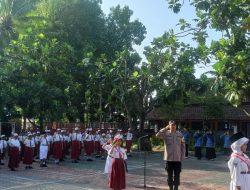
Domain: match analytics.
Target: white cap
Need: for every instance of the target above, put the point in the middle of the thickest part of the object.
(76, 128)
(47, 131)
(15, 135)
(2, 136)
(118, 137)
(103, 134)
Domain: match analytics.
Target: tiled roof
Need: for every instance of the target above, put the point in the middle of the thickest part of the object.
(196, 112)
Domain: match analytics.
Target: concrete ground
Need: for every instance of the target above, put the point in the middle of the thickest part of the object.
(196, 175)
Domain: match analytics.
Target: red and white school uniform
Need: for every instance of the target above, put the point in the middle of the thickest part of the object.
(3, 148)
(129, 138)
(57, 147)
(76, 140)
(115, 167)
(29, 146)
(44, 148)
(14, 151)
(89, 138)
(97, 144)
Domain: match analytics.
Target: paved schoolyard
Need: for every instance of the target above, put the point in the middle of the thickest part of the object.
(196, 175)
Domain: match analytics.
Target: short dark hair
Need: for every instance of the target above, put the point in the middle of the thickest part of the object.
(171, 122)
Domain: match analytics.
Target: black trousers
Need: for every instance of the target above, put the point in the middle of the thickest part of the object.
(197, 151)
(210, 153)
(174, 170)
(186, 153)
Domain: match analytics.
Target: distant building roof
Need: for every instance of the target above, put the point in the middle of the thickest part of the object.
(196, 112)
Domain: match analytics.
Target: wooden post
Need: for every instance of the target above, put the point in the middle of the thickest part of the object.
(216, 125)
(189, 125)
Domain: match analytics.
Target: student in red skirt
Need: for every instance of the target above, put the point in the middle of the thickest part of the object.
(29, 146)
(129, 138)
(57, 146)
(14, 152)
(115, 164)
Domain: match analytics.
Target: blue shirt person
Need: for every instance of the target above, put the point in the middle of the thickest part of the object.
(226, 143)
(198, 139)
(209, 140)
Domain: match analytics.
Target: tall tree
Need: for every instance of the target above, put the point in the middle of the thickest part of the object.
(231, 52)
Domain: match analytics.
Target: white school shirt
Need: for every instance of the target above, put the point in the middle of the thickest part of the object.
(108, 136)
(49, 138)
(57, 138)
(129, 136)
(44, 141)
(97, 137)
(76, 137)
(29, 143)
(14, 143)
(37, 139)
(3, 144)
(22, 138)
(103, 140)
(89, 137)
(236, 166)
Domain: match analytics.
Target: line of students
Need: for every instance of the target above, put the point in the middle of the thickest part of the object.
(28, 146)
(206, 140)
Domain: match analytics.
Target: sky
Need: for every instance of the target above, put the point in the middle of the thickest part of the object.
(157, 18)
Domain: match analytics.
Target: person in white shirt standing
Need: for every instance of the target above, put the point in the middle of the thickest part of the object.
(29, 146)
(76, 139)
(57, 146)
(3, 148)
(97, 137)
(49, 137)
(37, 144)
(14, 152)
(44, 148)
(129, 138)
(239, 163)
(90, 144)
(103, 141)
(115, 164)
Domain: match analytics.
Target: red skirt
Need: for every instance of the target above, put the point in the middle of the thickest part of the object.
(97, 146)
(36, 151)
(57, 150)
(117, 177)
(14, 157)
(75, 150)
(128, 145)
(28, 155)
(89, 147)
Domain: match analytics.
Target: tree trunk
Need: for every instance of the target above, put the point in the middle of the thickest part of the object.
(41, 123)
(24, 123)
(142, 121)
(100, 109)
(128, 116)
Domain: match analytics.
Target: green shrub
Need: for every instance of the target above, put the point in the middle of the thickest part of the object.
(155, 141)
